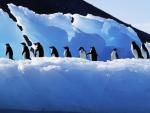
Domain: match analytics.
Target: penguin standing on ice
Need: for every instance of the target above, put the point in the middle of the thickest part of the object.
(25, 52)
(144, 51)
(93, 54)
(39, 52)
(9, 52)
(136, 50)
(54, 52)
(82, 53)
(67, 52)
(114, 55)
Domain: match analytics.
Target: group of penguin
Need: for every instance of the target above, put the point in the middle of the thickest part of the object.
(38, 51)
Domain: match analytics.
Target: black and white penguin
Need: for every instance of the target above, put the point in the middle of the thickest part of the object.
(9, 52)
(144, 51)
(39, 51)
(82, 53)
(25, 52)
(67, 52)
(54, 52)
(114, 55)
(136, 50)
(93, 54)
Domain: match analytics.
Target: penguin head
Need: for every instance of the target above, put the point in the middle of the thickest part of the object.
(35, 45)
(51, 47)
(23, 43)
(134, 43)
(66, 48)
(7, 45)
(115, 49)
(38, 43)
(93, 48)
(81, 48)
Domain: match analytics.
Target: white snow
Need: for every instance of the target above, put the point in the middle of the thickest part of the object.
(61, 84)
(57, 29)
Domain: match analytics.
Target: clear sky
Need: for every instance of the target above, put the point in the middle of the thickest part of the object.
(134, 12)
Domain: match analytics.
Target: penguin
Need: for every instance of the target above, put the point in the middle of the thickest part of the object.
(93, 54)
(82, 53)
(144, 51)
(136, 50)
(67, 52)
(114, 55)
(39, 51)
(25, 52)
(54, 52)
(9, 52)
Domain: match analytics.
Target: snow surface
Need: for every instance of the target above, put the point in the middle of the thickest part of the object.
(57, 29)
(63, 84)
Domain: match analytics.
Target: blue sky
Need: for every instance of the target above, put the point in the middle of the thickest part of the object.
(134, 12)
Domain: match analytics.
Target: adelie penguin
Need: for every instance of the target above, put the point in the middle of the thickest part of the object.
(9, 52)
(39, 51)
(67, 52)
(82, 53)
(114, 55)
(25, 52)
(136, 50)
(144, 51)
(54, 52)
(93, 54)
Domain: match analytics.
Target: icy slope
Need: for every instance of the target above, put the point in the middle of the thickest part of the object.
(57, 29)
(9, 33)
(52, 84)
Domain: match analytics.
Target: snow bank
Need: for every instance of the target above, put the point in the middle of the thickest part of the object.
(57, 29)
(77, 85)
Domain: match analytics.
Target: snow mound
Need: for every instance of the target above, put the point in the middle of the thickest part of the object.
(58, 29)
(61, 84)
